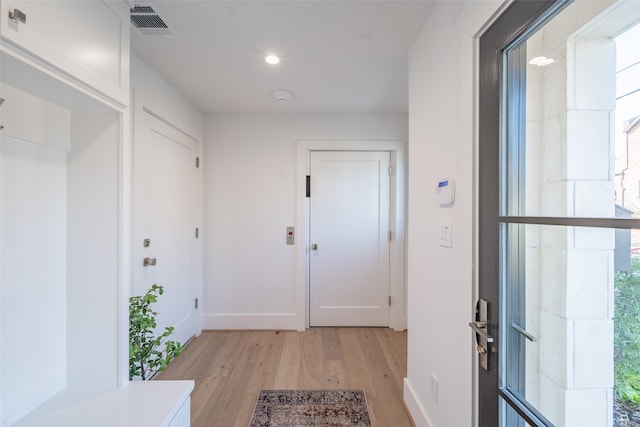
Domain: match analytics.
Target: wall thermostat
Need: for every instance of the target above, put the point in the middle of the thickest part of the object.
(446, 191)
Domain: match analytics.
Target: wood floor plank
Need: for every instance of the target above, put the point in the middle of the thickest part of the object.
(311, 363)
(247, 366)
(357, 370)
(265, 376)
(230, 367)
(209, 390)
(219, 370)
(334, 375)
(385, 386)
(394, 347)
(290, 362)
(331, 347)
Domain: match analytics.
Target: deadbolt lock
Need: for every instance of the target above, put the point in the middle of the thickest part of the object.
(148, 262)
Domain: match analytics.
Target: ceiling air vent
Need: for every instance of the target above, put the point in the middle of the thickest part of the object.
(147, 21)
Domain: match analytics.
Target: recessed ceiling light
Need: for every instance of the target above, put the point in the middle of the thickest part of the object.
(541, 61)
(272, 59)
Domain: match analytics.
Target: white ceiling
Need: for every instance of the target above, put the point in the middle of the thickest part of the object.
(336, 56)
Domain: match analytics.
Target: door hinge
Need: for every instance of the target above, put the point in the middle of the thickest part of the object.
(1, 102)
(389, 300)
(197, 232)
(390, 235)
(196, 303)
(197, 162)
(390, 171)
(308, 186)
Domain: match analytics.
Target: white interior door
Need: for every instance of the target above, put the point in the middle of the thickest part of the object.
(349, 235)
(164, 221)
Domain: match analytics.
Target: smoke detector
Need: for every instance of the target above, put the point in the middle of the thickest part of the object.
(282, 96)
(148, 22)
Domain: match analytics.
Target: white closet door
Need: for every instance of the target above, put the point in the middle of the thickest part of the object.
(164, 217)
(349, 256)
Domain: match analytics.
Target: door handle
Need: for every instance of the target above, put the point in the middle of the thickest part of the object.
(481, 329)
(314, 246)
(484, 341)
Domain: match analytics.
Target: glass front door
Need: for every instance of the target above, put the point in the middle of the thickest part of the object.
(559, 209)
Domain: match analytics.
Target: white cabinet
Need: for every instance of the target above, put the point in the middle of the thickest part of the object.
(183, 417)
(87, 41)
(141, 404)
(63, 299)
(65, 222)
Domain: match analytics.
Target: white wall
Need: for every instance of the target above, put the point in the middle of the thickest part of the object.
(93, 223)
(164, 99)
(440, 280)
(250, 199)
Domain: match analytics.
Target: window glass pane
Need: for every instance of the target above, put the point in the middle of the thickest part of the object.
(571, 335)
(627, 121)
(573, 128)
(511, 417)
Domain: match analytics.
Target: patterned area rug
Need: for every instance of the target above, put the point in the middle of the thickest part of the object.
(311, 408)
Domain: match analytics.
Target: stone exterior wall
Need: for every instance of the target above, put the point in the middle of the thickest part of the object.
(570, 173)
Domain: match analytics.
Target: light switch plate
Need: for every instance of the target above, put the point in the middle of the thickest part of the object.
(444, 233)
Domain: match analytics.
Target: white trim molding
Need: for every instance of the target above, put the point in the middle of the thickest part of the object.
(415, 408)
(272, 321)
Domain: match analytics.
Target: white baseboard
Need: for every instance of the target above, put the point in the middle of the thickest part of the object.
(415, 408)
(276, 321)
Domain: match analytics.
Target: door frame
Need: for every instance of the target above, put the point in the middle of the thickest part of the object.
(508, 24)
(397, 216)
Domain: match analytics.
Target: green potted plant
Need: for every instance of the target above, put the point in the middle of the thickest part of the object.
(146, 356)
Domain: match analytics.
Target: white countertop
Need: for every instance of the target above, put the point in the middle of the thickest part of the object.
(140, 404)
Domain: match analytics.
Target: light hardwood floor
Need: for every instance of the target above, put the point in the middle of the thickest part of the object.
(230, 367)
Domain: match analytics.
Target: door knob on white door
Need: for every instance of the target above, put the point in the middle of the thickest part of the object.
(314, 246)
